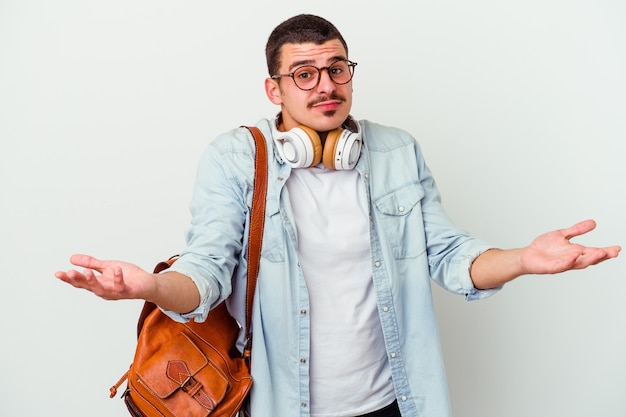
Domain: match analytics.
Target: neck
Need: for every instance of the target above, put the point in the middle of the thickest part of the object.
(322, 136)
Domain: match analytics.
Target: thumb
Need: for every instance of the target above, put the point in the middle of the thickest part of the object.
(87, 261)
(578, 229)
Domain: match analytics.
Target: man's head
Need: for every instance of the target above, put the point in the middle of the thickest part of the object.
(304, 28)
(314, 42)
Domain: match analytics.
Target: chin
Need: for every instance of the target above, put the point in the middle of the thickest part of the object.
(333, 120)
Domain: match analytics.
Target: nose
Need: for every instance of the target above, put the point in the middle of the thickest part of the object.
(325, 84)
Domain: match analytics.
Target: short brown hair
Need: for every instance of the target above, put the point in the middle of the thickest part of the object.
(303, 28)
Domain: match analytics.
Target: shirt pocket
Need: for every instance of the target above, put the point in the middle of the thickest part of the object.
(273, 248)
(400, 215)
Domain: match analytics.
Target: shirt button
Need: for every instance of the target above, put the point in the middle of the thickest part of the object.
(302, 360)
(303, 405)
(404, 398)
(393, 354)
(303, 312)
(401, 209)
(377, 263)
(385, 309)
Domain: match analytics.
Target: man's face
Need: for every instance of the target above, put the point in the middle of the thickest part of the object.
(323, 108)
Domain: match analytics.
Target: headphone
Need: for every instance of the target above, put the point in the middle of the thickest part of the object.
(301, 146)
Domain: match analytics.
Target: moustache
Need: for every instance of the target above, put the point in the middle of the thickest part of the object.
(322, 99)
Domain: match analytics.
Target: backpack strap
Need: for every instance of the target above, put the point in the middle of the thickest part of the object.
(257, 222)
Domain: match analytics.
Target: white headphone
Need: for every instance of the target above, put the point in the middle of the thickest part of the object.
(301, 146)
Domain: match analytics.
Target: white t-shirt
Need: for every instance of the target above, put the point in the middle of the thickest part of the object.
(349, 369)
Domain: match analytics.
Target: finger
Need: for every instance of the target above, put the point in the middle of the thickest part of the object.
(74, 278)
(90, 278)
(579, 229)
(118, 280)
(614, 251)
(610, 252)
(62, 275)
(87, 261)
(89, 275)
(594, 256)
(93, 284)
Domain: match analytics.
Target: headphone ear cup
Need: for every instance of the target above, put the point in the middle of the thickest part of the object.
(315, 143)
(330, 148)
(300, 147)
(341, 149)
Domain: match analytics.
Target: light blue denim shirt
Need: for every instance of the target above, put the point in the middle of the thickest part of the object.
(412, 241)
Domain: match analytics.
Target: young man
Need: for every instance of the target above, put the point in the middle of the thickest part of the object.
(343, 319)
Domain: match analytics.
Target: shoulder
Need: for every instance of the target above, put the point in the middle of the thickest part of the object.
(236, 143)
(230, 156)
(237, 140)
(385, 138)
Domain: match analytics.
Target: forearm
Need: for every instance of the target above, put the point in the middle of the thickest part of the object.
(496, 267)
(175, 292)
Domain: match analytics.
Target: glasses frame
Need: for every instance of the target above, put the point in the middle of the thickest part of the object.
(291, 75)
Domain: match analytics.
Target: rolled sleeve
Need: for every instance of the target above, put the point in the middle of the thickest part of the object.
(204, 289)
(471, 292)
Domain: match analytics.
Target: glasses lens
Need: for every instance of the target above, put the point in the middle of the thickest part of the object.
(340, 72)
(306, 77)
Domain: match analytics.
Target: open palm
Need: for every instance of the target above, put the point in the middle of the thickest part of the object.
(114, 280)
(553, 252)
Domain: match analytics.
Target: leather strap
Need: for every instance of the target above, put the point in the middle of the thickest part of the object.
(257, 222)
(178, 372)
(255, 237)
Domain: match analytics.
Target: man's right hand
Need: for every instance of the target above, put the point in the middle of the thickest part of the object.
(114, 280)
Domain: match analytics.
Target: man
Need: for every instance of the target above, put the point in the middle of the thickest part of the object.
(343, 318)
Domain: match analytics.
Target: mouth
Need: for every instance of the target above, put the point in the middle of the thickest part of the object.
(327, 103)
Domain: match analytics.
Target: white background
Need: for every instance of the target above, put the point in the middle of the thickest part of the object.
(519, 105)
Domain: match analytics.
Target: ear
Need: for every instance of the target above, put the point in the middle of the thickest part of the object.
(272, 89)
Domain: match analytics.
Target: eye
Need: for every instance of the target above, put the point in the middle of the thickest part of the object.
(304, 73)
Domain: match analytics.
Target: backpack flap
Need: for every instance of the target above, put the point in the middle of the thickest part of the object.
(179, 370)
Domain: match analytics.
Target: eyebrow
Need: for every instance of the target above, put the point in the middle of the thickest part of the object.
(311, 62)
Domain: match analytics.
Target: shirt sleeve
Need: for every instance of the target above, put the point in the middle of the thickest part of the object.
(451, 251)
(219, 212)
(202, 311)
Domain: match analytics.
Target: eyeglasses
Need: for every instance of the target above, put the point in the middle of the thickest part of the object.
(308, 77)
